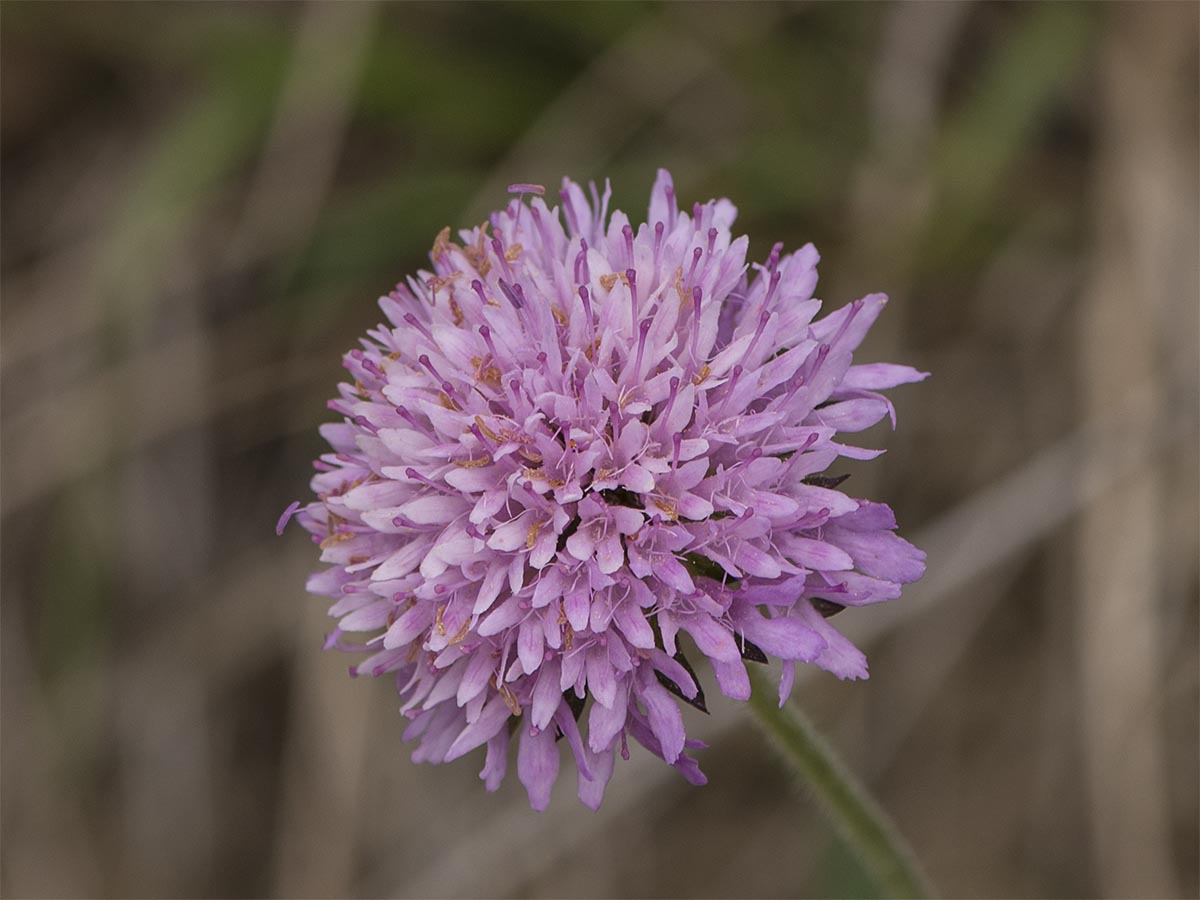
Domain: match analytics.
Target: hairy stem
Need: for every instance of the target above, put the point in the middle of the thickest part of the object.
(861, 821)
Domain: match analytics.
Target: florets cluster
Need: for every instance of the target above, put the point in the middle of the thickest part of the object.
(577, 439)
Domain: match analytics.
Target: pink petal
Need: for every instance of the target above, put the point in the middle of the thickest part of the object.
(537, 766)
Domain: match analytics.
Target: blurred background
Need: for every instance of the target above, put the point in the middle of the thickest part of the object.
(201, 203)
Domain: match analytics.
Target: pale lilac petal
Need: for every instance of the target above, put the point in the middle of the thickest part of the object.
(537, 766)
(591, 791)
(840, 656)
(665, 719)
(495, 765)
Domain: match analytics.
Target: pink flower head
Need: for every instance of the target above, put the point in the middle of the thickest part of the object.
(577, 439)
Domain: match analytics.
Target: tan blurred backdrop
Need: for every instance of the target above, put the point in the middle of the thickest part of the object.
(201, 202)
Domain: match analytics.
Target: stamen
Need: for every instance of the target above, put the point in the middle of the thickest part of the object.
(524, 188)
(286, 517)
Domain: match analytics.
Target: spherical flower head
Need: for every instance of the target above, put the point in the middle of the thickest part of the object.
(577, 439)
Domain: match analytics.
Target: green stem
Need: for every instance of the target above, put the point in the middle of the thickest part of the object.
(860, 821)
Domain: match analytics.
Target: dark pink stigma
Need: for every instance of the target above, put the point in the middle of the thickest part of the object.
(797, 383)
(543, 357)
(322, 466)
(677, 441)
(416, 323)
(478, 432)
(412, 420)
(773, 257)
(508, 292)
(370, 366)
(658, 233)
(439, 589)
(522, 187)
(628, 232)
(775, 276)
(365, 424)
(336, 406)
(587, 303)
(737, 373)
(631, 277)
(499, 250)
(674, 384)
(712, 240)
(762, 324)
(696, 295)
(643, 330)
(424, 360)
(487, 339)
(477, 287)
(520, 292)
(696, 254)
